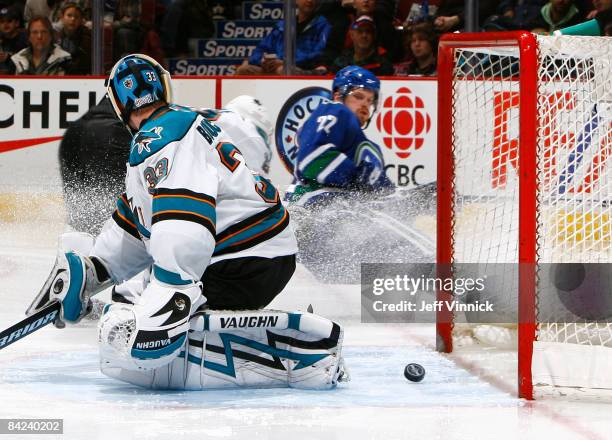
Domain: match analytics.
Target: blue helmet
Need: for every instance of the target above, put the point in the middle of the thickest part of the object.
(137, 81)
(352, 77)
(355, 77)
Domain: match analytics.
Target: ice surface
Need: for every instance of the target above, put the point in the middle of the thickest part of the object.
(54, 374)
(376, 373)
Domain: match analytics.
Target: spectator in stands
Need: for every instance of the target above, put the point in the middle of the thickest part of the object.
(421, 43)
(382, 11)
(127, 31)
(42, 56)
(365, 52)
(152, 14)
(312, 31)
(58, 12)
(52, 9)
(339, 19)
(222, 9)
(556, 14)
(12, 38)
(75, 39)
(600, 25)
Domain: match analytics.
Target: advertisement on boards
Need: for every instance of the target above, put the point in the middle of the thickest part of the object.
(34, 115)
(404, 126)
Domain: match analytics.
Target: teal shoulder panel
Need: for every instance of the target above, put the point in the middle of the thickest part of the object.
(156, 133)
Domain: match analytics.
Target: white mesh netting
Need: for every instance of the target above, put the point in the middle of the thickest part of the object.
(573, 155)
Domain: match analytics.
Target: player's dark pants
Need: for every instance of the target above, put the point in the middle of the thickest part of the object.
(246, 283)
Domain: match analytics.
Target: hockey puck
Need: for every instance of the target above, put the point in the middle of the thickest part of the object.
(414, 372)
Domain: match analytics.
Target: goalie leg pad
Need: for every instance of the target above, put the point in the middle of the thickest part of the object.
(262, 349)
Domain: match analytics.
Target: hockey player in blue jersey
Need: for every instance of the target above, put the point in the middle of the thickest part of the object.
(217, 237)
(345, 208)
(334, 155)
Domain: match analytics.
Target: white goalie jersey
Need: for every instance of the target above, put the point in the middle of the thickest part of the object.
(190, 201)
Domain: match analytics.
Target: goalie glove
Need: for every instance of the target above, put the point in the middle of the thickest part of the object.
(74, 279)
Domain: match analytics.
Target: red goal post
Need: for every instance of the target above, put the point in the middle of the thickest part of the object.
(509, 105)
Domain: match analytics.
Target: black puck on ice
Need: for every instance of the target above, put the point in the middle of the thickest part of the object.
(414, 372)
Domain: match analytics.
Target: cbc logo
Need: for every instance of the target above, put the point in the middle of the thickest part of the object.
(403, 122)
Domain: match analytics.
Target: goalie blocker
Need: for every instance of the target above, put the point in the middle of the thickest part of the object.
(242, 349)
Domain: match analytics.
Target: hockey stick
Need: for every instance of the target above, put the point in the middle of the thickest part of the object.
(30, 324)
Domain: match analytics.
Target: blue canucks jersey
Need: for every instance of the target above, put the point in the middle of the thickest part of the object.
(335, 152)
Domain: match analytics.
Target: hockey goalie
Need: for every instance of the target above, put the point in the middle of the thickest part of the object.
(220, 245)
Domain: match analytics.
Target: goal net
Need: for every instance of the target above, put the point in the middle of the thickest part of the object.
(524, 186)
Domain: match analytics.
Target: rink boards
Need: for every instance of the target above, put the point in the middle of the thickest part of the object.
(34, 113)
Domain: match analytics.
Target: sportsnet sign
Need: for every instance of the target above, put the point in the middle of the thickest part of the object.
(226, 48)
(243, 28)
(262, 10)
(203, 66)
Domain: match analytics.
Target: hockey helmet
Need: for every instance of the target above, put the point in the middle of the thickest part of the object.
(252, 109)
(352, 77)
(135, 82)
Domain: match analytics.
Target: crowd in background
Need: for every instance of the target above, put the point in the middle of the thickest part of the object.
(388, 37)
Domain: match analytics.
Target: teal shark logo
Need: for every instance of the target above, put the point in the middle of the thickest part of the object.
(144, 138)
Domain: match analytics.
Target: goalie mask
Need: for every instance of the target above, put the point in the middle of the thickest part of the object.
(135, 82)
(354, 77)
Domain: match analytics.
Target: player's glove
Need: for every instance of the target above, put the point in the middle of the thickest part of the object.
(74, 279)
(371, 176)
